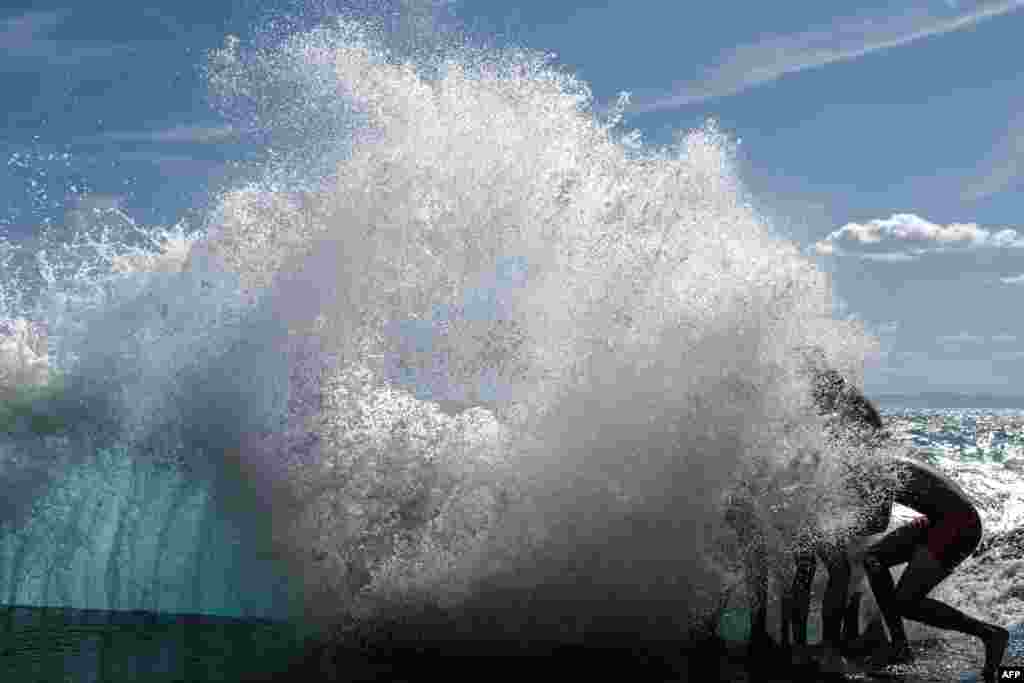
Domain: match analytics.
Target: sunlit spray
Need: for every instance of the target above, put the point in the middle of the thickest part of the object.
(497, 346)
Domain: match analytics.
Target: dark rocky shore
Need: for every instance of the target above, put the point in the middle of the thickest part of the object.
(485, 641)
(507, 634)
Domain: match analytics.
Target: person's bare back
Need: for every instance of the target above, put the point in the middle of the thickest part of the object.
(929, 491)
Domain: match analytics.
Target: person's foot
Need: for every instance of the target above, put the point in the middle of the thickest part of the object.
(893, 654)
(995, 648)
(832, 661)
(800, 656)
(871, 640)
(761, 645)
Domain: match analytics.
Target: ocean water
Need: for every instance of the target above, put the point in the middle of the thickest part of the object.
(463, 338)
(982, 449)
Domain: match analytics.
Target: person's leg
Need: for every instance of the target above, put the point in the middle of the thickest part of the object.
(922, 575)
(785, 591)
(757, 589)
(833, 608)
(851, 618)
(806, 566)
(896, 547)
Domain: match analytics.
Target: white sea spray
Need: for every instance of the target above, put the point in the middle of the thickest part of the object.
(620, 320)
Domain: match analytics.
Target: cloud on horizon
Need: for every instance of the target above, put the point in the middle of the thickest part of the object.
(902, 371)
(754, 64)
(979, 344)
(958, 341)
(906, 237)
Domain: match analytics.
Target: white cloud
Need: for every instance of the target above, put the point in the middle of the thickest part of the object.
(846, 39)
(824, 248)
(893, 234)
(30, 36)
(867, 234)
(1004, 338)
(1013, 280)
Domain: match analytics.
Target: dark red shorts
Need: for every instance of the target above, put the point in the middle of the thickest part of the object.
(952, 537)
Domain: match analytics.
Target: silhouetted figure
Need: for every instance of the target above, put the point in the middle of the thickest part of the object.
(932, 546)
(853, 416)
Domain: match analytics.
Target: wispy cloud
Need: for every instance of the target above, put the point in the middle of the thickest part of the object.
(1013, 280)
(167, 21)
(889, 257)
(907, 236)
(958, 374)
(957, 342)
(1003, 168)
(193, 134)
(889, 327)
(170, 162)
(960, 339)
(30, 36)
(849, 38)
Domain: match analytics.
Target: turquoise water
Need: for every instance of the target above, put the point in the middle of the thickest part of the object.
(968, 435)
(125, 533)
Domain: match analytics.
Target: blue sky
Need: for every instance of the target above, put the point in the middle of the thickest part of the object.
(887, 139)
